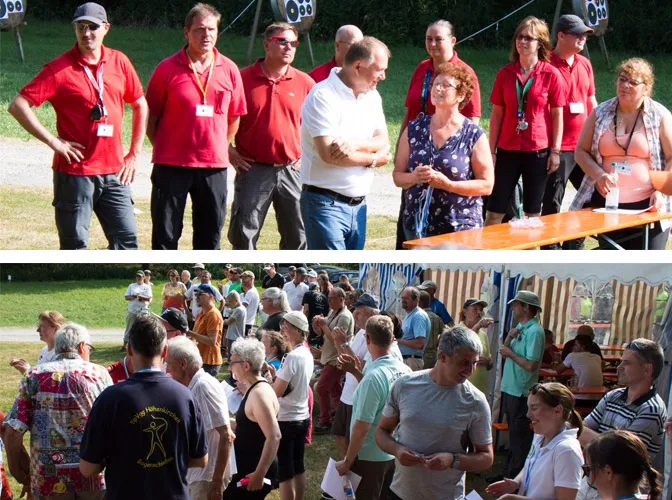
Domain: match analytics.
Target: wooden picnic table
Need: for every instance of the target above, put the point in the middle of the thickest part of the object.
(611, 357)
(545, 372)
(556, 229)
(592, 391)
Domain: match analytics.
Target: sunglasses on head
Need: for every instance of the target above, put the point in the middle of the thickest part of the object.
(90, 26)
(283, 41)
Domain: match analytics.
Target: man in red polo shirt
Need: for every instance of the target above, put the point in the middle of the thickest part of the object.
(345, 36)
(195, 102)
(577, 71)
(87, 87)
(268, 145)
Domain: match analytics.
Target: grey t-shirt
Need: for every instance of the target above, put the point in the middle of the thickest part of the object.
(237, 328)
(433, 419)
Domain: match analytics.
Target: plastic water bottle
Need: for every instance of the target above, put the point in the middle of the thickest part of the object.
(347, 489)
(611, 202)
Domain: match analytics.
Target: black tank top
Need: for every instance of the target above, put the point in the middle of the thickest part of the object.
(249, 442)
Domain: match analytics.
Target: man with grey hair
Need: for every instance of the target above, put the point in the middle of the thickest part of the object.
(416, 328)
(274, 304)
(637, 407)
(186, 367)
(205, 278)
(437, 451)
(345, 36)
(363, 456)
(55, 414)
(343, 138)
(249, 297)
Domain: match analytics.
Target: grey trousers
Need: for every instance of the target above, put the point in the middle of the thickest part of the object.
(77, 197)
(130, 319)
(255, 190)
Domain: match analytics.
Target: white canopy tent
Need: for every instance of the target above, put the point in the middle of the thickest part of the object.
(632, 284)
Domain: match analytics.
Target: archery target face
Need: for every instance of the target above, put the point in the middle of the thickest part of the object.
(298, 9)
(597, 11)
(3, 9)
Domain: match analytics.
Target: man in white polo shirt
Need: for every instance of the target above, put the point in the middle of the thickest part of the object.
(296, 289)
(343, 138)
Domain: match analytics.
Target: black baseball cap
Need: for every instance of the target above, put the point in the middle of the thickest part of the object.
(90, 12)
(366, 299)
(572, 24)
(176, 318)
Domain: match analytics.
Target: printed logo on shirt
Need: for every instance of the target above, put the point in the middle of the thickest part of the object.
(154, 423)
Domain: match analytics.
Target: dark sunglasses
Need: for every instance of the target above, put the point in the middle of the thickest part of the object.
(91, 26)
(524, 38)
(91, 348)
(283, 41)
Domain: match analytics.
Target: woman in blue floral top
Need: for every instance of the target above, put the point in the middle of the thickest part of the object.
(443, 162)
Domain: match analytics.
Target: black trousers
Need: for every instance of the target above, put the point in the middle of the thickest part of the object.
(520, 434)
(170, 187)
(556, 184)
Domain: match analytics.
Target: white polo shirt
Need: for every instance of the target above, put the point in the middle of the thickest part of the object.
(556, 464)
(331, 109)
(295, 294)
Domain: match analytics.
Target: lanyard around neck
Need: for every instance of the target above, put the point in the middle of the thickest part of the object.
(521, 92)
(634, 126)
(204, 91)
(424, 94)
(98, 85)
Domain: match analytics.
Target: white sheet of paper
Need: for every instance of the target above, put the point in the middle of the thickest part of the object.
(332, 483)
(233, 397)
(473, 496)
(620, 211)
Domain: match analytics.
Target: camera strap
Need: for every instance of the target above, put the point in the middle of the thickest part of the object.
(99, 85)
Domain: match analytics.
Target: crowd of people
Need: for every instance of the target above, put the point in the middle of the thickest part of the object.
(403, 399)
(309, 143)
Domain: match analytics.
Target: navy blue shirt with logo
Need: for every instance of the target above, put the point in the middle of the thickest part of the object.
(144, 431)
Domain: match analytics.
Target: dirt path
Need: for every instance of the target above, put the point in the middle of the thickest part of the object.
(27, 163)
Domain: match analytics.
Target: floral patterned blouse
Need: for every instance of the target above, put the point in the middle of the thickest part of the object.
(53, 403)
(448, 212)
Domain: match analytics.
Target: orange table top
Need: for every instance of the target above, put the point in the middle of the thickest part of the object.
(593, 391)
(545, 372)
(557, 228)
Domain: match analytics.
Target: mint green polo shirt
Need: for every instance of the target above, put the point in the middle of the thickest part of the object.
(517, 381)
(369, 400)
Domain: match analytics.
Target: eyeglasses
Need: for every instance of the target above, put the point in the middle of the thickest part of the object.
(586, 470)
(231, 363)
(444, 86)
(526, 39)
(90, 27)
(91, 348)
(281, 40)
(625, 81)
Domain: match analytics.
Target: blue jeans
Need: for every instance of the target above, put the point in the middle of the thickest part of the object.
(77, 197)
(332, 224)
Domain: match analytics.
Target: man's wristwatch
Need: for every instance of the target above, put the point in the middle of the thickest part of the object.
(456, 461)
(345, 345)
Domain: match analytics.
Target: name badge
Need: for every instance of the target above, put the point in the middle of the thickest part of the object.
(576, 108)
(205, 110)
(622, 167)
(105, 130)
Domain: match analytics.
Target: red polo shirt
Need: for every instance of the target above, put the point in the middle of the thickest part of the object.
(65, 85)
(547, 91)
(322, 71)
(271, 130)
(580, 86)
(182, 138)
(413, 99)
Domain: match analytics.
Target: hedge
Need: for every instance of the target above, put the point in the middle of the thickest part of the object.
(636, 27)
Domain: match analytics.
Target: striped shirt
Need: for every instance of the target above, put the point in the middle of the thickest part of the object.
(652, 116)
(644, 417)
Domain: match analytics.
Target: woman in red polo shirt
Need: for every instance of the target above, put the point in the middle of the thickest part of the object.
(526, 121)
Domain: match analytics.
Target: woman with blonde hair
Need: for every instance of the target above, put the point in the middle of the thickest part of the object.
(48, 323)
(526, 121)
(553, 466)
(616, 464)
(622, 141)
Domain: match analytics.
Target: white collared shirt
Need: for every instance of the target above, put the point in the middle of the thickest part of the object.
(556, 464)
(331, 109)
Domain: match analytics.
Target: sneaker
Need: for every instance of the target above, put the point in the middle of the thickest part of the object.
(322, 429)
